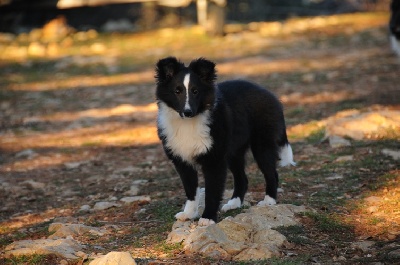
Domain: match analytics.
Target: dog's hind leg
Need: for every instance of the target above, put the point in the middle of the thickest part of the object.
(188, 175)
(237, 167)
(266, 159)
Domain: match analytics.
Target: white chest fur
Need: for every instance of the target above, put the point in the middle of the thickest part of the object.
(188, 137)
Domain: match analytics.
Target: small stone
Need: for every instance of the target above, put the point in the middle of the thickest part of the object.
(28, 153)
(334, 177)
(84, 208)
(135, 199)
(363, 245)
(99, 206)
(34, 184)
(114, 258)
(133, 191)
(372, 209)
(139, 181)
(344, 158)
(373, 199)
(337, 141)
(393, 154)
(81, 254)
(72, 165)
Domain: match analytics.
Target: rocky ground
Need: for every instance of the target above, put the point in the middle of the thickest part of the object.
(82, 170)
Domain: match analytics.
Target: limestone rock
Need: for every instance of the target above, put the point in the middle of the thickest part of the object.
(358, 125)
(65, 230)
(114, 258)
(392, 153)
(99, 206)
(64, 248)
(363, 245)
(337, 141)
(247, 236)
(135, 199)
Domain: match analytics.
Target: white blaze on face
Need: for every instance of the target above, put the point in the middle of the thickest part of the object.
(186, 81)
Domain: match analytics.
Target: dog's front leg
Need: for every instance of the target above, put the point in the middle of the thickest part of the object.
(214, 177)
(188, 175)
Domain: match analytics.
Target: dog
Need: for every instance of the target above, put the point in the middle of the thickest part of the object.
(394, 26)
(210, 126)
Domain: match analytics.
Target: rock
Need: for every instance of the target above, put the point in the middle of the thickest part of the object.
(33, 184)
(393, 154)
(139, 181)
(344, 158)
(373, 199)
(363, 245)
(64, 248)
(358, 125)
(84, 208)
(133, 191)
(337, 141)
(66, 230)
(135, 199)
(72, 165)
(247, 236)
(28, 153)
(335, 177)
(114, 258)
(99, 206)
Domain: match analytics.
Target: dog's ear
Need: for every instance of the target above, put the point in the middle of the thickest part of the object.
(205, 69)
(166, 68)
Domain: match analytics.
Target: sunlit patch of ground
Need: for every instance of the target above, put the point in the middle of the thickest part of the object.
(85, 81)
(377, 215)
(99, 135)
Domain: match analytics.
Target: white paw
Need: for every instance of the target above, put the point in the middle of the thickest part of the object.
(232, 204)
(205, 222)
(190, 211)
(267, 201)
(182, 216)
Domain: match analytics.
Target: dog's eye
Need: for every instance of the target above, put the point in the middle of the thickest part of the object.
(195, 91)
(178, 90)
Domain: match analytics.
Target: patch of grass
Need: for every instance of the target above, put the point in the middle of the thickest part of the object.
(295, 234)
(36, 259)
(169, 249)
(94, 223)
(163, 211)
(233, 212)
(330, 224)
(299, 260)
(316, 136)
(5, 240)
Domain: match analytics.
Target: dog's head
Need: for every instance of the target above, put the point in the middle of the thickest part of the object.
(188, 90)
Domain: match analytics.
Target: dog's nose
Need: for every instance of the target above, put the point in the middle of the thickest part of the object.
(188, 113)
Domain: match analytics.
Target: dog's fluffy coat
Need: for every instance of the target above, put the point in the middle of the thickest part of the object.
(211, 126)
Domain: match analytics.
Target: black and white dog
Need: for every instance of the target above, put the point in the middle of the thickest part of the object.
(211, 126)
(394, 26)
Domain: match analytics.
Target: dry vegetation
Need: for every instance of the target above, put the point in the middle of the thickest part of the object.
(76, 111)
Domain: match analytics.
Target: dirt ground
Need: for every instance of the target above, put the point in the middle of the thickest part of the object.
(77, 126)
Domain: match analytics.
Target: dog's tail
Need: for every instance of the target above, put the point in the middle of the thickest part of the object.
(285, 152)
